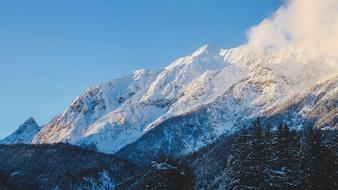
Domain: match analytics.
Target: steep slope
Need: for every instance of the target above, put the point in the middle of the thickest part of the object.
(122, 110)
(317, 105)
(100, 113)
(24, 135)
(61, 166)
(188, 133)
(188, 104)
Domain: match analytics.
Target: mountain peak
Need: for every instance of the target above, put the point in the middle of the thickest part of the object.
(206, 49)
(24, 134)
(214, 85)
(29, 125)
(141, 73)
(30, 121)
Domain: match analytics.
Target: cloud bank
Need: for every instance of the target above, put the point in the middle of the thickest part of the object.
(311, 25)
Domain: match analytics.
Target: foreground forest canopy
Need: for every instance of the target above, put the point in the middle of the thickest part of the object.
(257, 157)
(281, 158)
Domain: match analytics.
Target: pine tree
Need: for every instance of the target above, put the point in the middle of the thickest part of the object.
(294, 159)
(283, 174)
(324, 159)
(315, 182)
(307, 162)
(334, 152)
(311, 162)
(282, 147)
(327, 169)
(246, 164)
(268, 139)
(257, 158)
(236, 170)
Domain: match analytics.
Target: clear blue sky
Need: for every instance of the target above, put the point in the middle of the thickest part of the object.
(51, 51)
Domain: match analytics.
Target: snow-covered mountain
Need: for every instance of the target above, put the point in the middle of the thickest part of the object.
(24, 135)
(187, 133)
(194, 100)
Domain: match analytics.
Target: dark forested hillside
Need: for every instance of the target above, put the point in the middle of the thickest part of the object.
(256, 157)
(165, 173)
(60, 166)
(270, 157)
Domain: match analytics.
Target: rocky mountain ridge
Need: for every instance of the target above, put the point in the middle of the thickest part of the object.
(196, 99)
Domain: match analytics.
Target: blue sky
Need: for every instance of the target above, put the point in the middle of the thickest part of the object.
(51, 51)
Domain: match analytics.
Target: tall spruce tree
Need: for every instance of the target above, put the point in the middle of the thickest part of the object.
(315, 182)
(236, 169)
(246, 164)
(293, 169)
(282, 147)
(321, 175)
(268, 138)
(334, 152)
(327, 169)
(307, 159)
(257, 158)
(282, 174)
(313, 162)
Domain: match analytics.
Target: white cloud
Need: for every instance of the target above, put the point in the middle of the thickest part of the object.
(311, 25)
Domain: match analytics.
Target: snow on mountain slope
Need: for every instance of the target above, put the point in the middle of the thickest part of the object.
(86, 112)
(169, 84)
(230, 85)
(317, 105)
(189, 132)
(24, 135)
(92, 120)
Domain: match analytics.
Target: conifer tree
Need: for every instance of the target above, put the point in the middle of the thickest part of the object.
(324, 160)
(293, 169)
(281, 173)
(282, 147)
(246, 164)
(327, 178)
(257, 158)
(236, 169)
(310, 159)
(268, 139)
